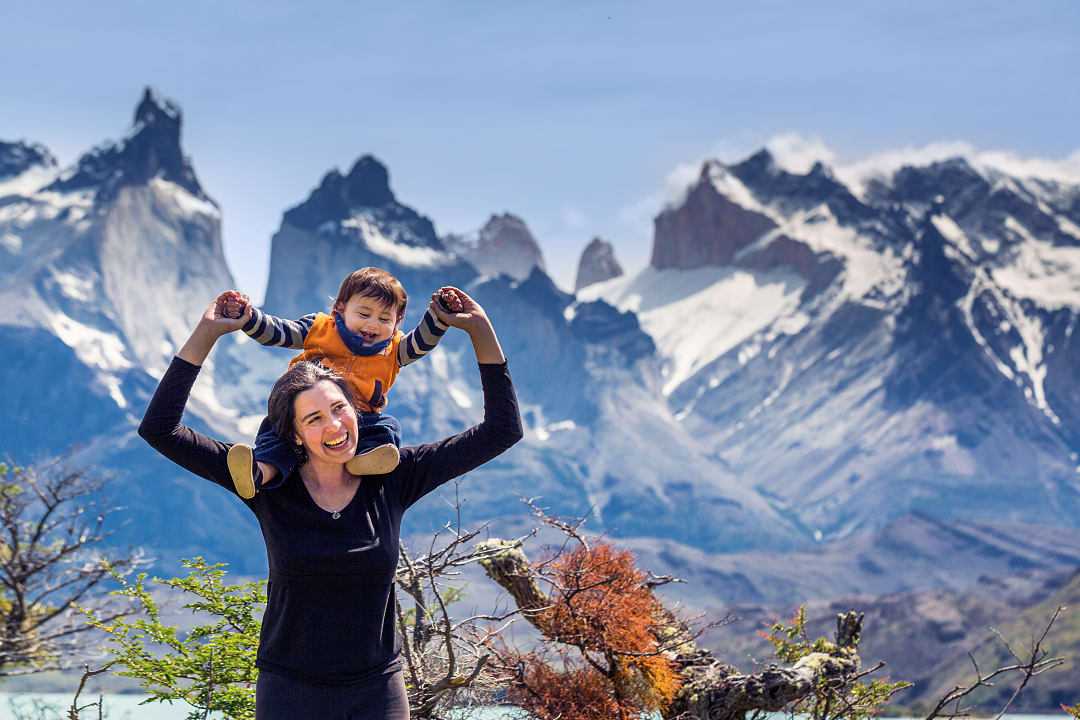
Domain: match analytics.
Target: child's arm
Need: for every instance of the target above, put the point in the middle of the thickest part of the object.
(272, 331)
(422, 339)
(262, 327)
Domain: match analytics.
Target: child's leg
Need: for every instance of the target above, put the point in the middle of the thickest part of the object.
(274, 457)
(252, 470)
(377, 445)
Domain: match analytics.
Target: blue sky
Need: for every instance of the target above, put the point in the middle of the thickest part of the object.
(572, 115)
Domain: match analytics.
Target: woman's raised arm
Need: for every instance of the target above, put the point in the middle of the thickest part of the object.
(425, 467)
(161, 425)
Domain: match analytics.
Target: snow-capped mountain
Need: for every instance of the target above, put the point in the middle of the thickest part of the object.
(579, 373)
(804, 359)
(503, 245)
(862, 357)
(597, 264)
(106, 265)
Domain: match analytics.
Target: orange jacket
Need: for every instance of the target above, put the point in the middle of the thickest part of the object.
(369, 376)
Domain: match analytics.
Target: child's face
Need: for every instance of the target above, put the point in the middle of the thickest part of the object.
(369, 318)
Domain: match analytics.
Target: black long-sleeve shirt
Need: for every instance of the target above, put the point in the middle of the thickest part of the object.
(330, 611)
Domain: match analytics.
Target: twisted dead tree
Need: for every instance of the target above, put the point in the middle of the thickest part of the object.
(1032, 663)
(52, 532)
(447, 661)
(593, 600)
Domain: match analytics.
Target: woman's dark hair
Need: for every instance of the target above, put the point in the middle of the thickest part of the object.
(300, 377)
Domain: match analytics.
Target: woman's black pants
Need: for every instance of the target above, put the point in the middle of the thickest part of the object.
(381, 697)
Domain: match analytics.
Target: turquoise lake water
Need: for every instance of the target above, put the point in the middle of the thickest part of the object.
(127, 707)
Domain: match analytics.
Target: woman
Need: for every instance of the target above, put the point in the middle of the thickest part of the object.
(328, 648)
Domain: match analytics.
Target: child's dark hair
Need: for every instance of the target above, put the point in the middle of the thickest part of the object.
(375, 283)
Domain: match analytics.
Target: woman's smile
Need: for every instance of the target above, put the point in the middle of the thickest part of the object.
(338, 442)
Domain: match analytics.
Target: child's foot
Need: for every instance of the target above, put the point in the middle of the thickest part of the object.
(243, 469)
(376, 461)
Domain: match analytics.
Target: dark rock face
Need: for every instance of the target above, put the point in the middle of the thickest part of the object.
(42, 372)
(152, 149)
(952, 365)
(597, 264)
(707, 229)
(819, 269)
(366, 187)
(503, 245)
(602, 324)
(792, 192)
(18, 157)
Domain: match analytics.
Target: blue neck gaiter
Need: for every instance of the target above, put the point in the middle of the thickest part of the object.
(355, 342)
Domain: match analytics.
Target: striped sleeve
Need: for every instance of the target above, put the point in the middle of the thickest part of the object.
(421, 340)
(272, 331)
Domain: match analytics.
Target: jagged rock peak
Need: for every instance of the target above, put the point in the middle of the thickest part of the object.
(18, 157)
(597, 264)
(707, 228)
(944, 177)
(504, 245)
(150, 150)
(368, 183)
(760, 163)
(367, 186)
(790, 191)
(154, 109)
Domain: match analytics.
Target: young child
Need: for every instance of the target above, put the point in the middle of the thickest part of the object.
(361, 340)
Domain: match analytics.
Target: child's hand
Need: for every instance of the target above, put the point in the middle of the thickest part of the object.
(455, 308)
(449, 299)
(233, 305)
(218, 314)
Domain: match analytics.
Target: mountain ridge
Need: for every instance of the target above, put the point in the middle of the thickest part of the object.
(782, 386)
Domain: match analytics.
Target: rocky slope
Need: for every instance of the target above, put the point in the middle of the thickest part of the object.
(860, 358)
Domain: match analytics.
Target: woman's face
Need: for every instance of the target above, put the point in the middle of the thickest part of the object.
(325, 423)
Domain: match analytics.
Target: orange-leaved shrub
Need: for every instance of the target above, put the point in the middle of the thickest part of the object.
(605, 624)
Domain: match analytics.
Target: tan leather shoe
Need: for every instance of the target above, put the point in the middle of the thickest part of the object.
(376, 461)
(241, 462)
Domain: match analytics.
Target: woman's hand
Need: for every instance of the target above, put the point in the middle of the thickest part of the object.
(453, 307)
(232, 305)
(213, 324)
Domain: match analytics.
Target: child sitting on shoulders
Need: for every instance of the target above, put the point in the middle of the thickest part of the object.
(361, 341)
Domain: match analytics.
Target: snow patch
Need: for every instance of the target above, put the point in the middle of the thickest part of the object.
(73, 286)
(28, 182)
(952, 232)
(943, 442)
(93, 347)
(406, 255)
(439, 364)
(1068, 227)
(459, 396)
(112, 383)
(186, 203)
(696, 316)
(732, 188)
(797, 154)
(1040, 271)
(865, 268)
(1027, 357)
(11, 243)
